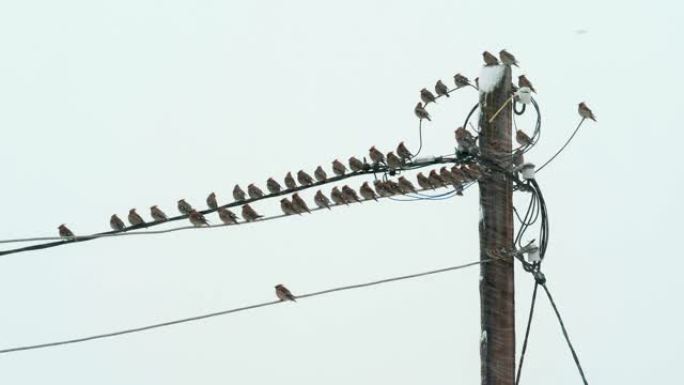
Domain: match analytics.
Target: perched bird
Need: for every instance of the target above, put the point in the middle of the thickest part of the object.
(273, 186)
(65, 233)
(254, 191)
(585, 112)
(523, 82)
(489, 59)
(158, 215)
(211, 201)
(321, 200)
(406, 186)
(290, 182)
(116, 223)
(465, 140)
(338, 168)
(424, 182)
(507, 58)
(304, 178)
(367, 192)
(134, 219)
(238, 193)
(299, 204)
(284, 294)
(471, 174)
(287, 207)
(376, 156)
(197, 219)
(382, 189)
(518, 159)
(446, 176)
(475, 170)
(349, 194)
(461, 81)
(393, 161)
(393, 187)
(355, 164)
(403, 152)
(227, 217)
(435, 179)
(421, 113)
(458, 176)
(427, 96)
(249, 214)
(320, 174)
(184, 207)
(337, 197)
(441, 89)
(522, 138)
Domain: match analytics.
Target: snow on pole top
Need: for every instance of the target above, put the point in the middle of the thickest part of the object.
(490, 76)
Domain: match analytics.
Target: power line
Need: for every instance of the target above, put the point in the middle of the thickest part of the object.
(563, 147)
(239, 309)
(527, 333)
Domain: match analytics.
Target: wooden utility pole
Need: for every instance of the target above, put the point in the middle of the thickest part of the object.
(497, 304)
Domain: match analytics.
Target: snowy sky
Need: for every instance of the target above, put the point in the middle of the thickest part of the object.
(105, 106)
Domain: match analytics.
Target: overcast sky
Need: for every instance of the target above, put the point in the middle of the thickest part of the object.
(105, 106)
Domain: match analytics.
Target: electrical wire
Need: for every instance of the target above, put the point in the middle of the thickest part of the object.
(527, 333)
(563, 147)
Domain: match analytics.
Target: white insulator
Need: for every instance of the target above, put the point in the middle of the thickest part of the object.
(527, 171)
(533, 255)
(524, 95)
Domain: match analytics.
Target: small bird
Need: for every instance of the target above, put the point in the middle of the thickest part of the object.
(507, 58)
(227, 217)
(249, 214)
(287, 207)
(356, 165)
(435, 179)
(304, 178)
(393, 161)
(382, 189)
(518, 159)
(424, 182)
(367, 192)
(421, 112)
(585, 112)
(238, 193)
(475, 171)
(458, 176)
(446, 176)
(184, 207)
(65, 233)
(441, 89)
(337, 197)
(393, 187)
(470, 174)
(299, 204)
(465, 140)
(158, 215)
(134, 219)
(290, 182)
(320, 174)
(197, 219)
(284, 294)
(489, 59)
(403, 152)
(406, 186)
(116, 223)
(321, 200)
(522, 138)
(211, 201)
(461, 81)
(349, 194)
(254, 191)
(427, 96)
(376, 156)
(523, 82)
(273, 186)
(338, 168)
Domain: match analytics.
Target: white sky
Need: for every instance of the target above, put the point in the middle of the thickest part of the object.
(108, 106)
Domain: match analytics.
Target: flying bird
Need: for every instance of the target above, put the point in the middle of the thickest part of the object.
(367, 192)
(406, 186)
(184, 207)
(489, 59)
(337, 197)
(421, 112)
(522, 138)
(116, 223)
(403, 152)
(320, 174)
(355, 164)
(585, 112)
(238, 193)
(321, 200)
(304, 178)
(290, 182)
(441, 89)
(507, 58)
(65, 233)
(424, 182)
(158, 215)
(249, 214)
(393, 161)
(273, 186)
(524, 82)
(284, 294)
(211, 201)
(287, 207)
(427, 96)
(227, 217)
(376, 156)
(197, 219)
(338, 168)
(349, 194)
(435, 179)
(134, 219)
(461, 81)
(254, 191)
(299, 204)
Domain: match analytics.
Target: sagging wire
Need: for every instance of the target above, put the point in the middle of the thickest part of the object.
(563, 147)
(527, 333)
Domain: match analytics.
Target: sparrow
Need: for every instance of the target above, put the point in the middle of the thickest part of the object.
(403, 152)
(446, 176)
(337, 197)
(254, 191)
(355, 164)
(134, 219)
(471, 174)
(461, 81)
(427, 96)
(406, 186)
(465, 140)
(238, 193)
(290, 182)
(321, 200)
(382, 189)
(211, 201)
(367, 192)
(287, 207)
(184, 207)
(489, 59)
(273, 186)
(507, 58)
(349, 194)
(522, 138)
(421, 113)
(197, 219)
(458, 176)
(338, 168)
(435, 179)
(320, 174)
(393, 187)
(424, 182)
(227, 217)
(523, 82)
(518, 159)
(393, 161)
(441, 89)
(299, 204)
(158, 215)
(284, 294)
(249, 214)
(376, 156)
(65, 233)
(304, 178)
(475, 170)
(116, 223)
(585, 112)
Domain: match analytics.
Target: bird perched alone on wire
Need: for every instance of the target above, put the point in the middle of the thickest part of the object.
(299, 204)
(441, 89)
(355, 164)
(367, 192)
(249, 214)
(158, 215)
(304, 178)
(489, 59)
(134, 219)
(211, 201)
(522, 138)
(321, 200)
(65, 233)
(421, 113)
(273, 186)
(376, 156)
(320, 174)
(585, 112)
(426, 96)
(116, 223)
(524, 82)
(254, 191)
(406, 186)
(393, 161)
(197, 219)
(404, 152)
(290, 182)
(184, 207)
(435, 179)
(349, 194)
(507, 58)
(424, 182)
(338, 168)
(238, 193)
(465, 140)
(382, 189)
(284, 294)
(227, 217)
(287, 207)
(337, 197)
(461, 81)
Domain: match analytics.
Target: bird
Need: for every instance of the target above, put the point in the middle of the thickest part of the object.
(465, 140)
(338, 168)
(393, 187)
(458, 176)
(518, 159)
(441, 89)
(355, 164)
(475, 170)
(287, 207)
(427, 96)
(249, 214)
(376, 156)
(116, 223)
(254, 191)
(211, 201)
(446, 176)
(157, 214)
(273, 186)
(489, 59)
(227, 217)
(421, 113)
(522, 138)
(435, 179)
(381, 188)
(471, 174)
(393, 161)
(367, 192)
(337, 197)
(290, 182)
(424, 182)
(349, 194)
(238, 193)
(134, 219)
(299, 204)
(585, 112)
(461, 81)
(320, 174)
(406, 186)
(507, 58)
(403, 152)
(524, 82)
(197, 219)
(304, 178)
(284, 294)
(321, 200)
(65, 233)
(184, 207)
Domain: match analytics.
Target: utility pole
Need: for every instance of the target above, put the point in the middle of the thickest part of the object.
(497, 302)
